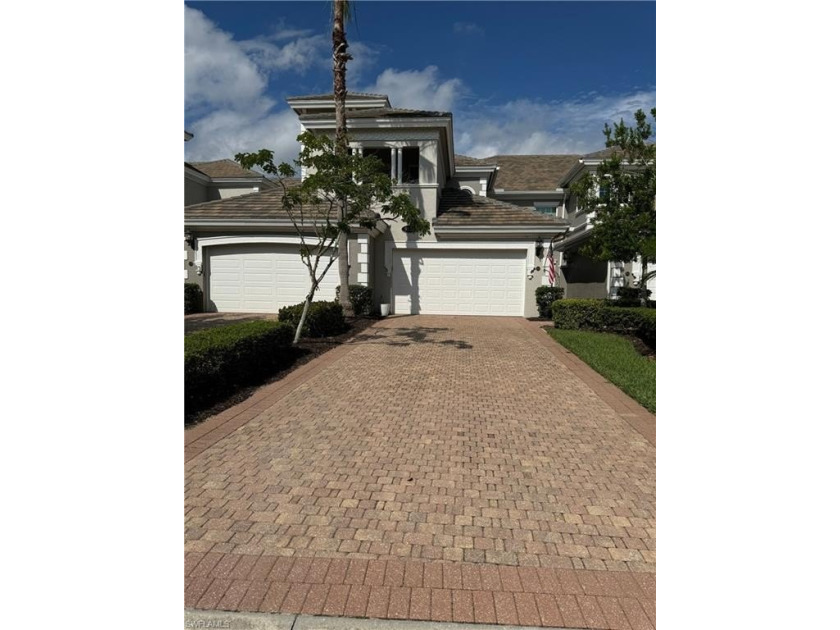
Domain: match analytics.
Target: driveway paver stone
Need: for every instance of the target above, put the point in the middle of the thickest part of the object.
(431, 445)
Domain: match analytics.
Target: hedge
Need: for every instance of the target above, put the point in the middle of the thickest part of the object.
(218, 361)
(595, 315)
(324, 319)
(193, 298)
(361, 297)
(629, 296)
(546, 296)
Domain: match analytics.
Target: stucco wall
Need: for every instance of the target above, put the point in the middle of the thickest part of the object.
(194, 192)
(584, 278)
(225, 192)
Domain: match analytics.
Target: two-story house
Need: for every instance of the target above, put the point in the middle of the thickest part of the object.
(492, 220)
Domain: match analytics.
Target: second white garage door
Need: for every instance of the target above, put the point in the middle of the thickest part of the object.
(453, 282)
(261, 278)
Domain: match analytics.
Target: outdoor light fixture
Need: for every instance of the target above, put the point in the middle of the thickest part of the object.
(188, 238)
(539, 248)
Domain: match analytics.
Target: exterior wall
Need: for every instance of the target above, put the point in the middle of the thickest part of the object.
(531, 285)
(473, 182)
(425, 197)
(225, 192)
(583, 278)
(194, 192)
(353, 257)
(190, 274)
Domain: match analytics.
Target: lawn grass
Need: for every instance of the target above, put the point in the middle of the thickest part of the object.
(614, 358)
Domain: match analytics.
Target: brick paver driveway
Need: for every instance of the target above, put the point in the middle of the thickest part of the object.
(451, 468)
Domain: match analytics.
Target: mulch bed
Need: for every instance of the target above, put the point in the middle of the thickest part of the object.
(307, 350)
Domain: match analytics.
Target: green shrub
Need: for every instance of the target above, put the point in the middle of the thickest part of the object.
(218, 361)
(546, 296)
(577, 313)
(628, 296)
(324, 319)
(595, 315)
(361, 297)
(193, 298)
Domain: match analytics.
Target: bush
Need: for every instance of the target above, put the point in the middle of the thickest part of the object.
(546, 296)
(577, 313)
(595, 315)
(628, 296)
(193, 298)
(220, 360)
(324, 319)
(361, 297)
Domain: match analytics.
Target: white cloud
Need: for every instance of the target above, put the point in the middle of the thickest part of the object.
(216, 70)
(469, 28)
(226, 132)
(530, 127)
(418, 89)
(297, 56)
(226, 86)
(226, 96)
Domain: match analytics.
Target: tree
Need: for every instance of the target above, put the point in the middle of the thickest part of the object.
(334, 181)
(622, 195)
(341, 14)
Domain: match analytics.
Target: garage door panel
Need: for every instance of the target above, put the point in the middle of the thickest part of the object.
(470, 282)
(260, 278)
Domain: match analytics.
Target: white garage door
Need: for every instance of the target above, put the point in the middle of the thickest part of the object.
(452, 282)
(262, 278)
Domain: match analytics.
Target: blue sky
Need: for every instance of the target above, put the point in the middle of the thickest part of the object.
(519, 77)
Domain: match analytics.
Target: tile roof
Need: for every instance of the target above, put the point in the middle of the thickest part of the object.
(531, 172)
(378, 112)
(223, 168)
(459, 207)
(466, 160)
(265, 205)
(331, 96)
(524, 172)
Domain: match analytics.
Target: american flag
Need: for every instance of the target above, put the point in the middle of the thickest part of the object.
(549, 264)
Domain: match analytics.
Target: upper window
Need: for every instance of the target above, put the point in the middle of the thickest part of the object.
(410, 165)
(384, 155)
(546, 208)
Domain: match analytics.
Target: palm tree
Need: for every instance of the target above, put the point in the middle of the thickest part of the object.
(341, 14)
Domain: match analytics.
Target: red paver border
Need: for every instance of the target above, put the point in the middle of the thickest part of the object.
(393, 589)
(628, 409)
(199, 438)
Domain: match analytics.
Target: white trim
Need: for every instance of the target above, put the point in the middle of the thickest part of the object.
(483, 181)
(470, 188)
(526, 246)
(548, 194)
(362, 259)
(392, 245)
(499, 229)
(215, 241)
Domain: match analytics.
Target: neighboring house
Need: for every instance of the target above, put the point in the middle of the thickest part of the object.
(543, 183)
(219, 179)
(492, 220)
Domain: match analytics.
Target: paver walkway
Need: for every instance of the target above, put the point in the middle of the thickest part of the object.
(445, 468)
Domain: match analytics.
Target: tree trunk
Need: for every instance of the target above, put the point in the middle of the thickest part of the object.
(340, 59)
(304, 313)
(643, 282)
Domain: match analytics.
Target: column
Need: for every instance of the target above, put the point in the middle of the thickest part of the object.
(399, 165)
(393, 162)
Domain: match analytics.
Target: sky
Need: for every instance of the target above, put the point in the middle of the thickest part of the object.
(519, 77)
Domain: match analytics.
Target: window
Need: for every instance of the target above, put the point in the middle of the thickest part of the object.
(546, 208)
(410, 165)
(384, 155)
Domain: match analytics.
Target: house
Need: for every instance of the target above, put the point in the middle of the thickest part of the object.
(492, 221)
(219, 179)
